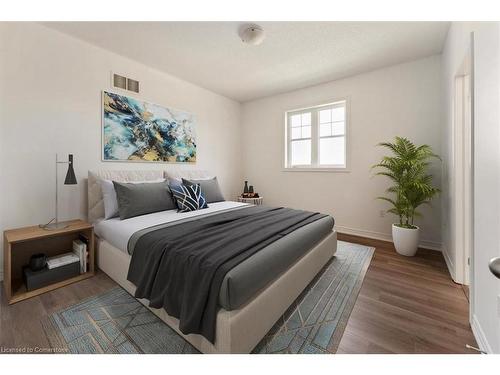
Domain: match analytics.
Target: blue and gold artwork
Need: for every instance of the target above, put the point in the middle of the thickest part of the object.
(135, 130)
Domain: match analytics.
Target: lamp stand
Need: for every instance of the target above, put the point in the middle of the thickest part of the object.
(54, 224)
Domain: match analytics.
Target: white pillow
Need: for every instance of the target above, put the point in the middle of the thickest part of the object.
(109, 196)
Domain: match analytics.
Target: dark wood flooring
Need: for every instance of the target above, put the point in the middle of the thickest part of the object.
(406, 305)
(20, 324)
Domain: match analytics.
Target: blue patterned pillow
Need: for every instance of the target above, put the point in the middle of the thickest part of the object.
(188, 198)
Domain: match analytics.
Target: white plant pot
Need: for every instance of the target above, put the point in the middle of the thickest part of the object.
(405, 240)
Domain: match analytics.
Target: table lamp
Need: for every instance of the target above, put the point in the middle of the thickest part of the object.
(70, 179)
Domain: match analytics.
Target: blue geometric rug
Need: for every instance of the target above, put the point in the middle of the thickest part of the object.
(115, 322)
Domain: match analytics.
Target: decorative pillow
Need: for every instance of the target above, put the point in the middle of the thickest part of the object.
(210, 189)
(136, 199)
(174, 183)
(109, 196)
(109, 199)
(188, 197)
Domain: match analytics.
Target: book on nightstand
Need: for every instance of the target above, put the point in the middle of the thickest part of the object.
(80, 250)
(85, 240)
(62, 260)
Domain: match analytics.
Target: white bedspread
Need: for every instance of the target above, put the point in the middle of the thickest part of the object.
(117, 232)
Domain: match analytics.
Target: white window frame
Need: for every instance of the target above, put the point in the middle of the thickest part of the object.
(315, 139)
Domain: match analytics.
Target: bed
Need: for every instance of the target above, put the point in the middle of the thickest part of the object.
(253, 294)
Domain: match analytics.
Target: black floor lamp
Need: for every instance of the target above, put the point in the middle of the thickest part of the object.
(69, 180)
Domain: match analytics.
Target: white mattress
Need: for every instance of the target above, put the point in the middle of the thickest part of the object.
(118, 232)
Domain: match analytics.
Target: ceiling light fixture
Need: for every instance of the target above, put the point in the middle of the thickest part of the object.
(252, 34)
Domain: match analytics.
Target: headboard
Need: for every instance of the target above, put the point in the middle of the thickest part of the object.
(95, 199)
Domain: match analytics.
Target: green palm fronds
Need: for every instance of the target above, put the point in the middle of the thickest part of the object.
(407, 169)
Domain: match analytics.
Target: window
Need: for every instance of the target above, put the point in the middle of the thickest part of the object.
(316, 137)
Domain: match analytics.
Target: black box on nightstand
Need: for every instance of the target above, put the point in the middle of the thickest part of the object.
(44, 277)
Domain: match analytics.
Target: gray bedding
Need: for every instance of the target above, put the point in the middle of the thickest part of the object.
(244, 281)
(181, 268)
(255, 273)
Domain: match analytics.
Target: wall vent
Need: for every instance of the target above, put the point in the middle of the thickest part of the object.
(132, 85)
(119, 81)
(124, 83)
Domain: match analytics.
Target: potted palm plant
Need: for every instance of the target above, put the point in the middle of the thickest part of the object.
(412, 186)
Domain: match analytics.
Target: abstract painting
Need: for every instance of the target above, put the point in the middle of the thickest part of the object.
(135, 130)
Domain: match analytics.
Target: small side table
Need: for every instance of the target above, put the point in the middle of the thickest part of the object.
(21, 243)
(255, 201)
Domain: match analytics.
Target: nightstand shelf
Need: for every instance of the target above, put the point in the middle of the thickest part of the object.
(20, 244)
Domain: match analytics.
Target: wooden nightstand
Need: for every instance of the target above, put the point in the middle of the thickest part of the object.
(21, 243)
(255, 201)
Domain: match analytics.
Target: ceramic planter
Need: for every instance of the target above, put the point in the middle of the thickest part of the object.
(405, 240)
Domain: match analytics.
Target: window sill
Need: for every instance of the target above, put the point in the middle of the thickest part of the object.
(312, 169)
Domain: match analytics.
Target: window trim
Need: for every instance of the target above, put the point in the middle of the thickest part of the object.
(315, 166)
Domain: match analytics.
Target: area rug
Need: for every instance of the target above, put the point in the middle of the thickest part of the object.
(115, 322)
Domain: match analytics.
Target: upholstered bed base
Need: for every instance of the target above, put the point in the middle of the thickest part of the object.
(237, 331)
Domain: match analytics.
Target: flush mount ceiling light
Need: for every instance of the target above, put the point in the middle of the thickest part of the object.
(252, 34)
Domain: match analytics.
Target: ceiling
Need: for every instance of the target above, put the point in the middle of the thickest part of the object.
(293, 55)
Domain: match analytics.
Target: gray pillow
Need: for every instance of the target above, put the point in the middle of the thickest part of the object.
(210, 189)
(109, 196)
(143, 198)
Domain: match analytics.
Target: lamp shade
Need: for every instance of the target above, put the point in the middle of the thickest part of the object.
(70, 175)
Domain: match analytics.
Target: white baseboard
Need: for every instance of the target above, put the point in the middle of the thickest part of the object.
(450, 265)
(480, 336)
(383, 236)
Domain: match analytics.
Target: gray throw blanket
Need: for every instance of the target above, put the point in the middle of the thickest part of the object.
(181, 267)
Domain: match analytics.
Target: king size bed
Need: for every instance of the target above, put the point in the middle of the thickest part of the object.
(219, 301)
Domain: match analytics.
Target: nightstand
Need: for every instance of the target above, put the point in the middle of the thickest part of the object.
(255, 201)
(20, 244)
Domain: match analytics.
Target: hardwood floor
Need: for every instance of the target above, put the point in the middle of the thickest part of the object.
(20, 324)
(406, 305)
(466, 291)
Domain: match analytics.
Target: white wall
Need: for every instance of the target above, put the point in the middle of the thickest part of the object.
(400, 100)
(50, 101)
(485, 287)
(456, 48)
